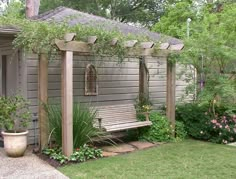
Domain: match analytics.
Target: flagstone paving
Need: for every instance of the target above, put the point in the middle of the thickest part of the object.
(126, 147)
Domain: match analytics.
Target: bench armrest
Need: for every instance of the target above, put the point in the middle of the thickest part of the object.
(99, 122)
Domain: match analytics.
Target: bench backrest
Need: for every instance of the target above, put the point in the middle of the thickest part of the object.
(116, 114)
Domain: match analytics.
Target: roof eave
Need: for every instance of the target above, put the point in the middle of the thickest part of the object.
(8, 31)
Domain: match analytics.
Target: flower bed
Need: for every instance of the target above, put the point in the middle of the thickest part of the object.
(81, 154)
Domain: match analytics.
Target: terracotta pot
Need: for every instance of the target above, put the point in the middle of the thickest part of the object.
(15, 144)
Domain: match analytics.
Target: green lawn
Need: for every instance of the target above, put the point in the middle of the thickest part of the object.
(188, 159)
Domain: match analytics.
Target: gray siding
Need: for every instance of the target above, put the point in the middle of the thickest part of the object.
(6, 48)
(118, 83)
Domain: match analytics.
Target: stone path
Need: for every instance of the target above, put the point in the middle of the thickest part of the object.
(126, 147)
(27, 167)
(232, 144)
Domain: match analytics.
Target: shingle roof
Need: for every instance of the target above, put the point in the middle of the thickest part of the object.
(74, 17)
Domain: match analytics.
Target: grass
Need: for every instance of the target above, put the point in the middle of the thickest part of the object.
(188, 159)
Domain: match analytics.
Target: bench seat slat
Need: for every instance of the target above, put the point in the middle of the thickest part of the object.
(125, 126)
(119, 117)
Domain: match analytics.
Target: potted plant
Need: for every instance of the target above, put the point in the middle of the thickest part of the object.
(146, 111)
(14, 119)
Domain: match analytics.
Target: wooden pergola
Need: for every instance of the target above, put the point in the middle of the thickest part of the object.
(67, 47)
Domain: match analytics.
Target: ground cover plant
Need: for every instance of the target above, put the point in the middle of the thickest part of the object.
(187, 159)
(81, 154)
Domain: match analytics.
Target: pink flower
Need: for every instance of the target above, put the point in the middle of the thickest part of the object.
(225, 141)
(214, 121)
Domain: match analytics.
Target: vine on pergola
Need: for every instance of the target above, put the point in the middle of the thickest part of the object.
(39, 37)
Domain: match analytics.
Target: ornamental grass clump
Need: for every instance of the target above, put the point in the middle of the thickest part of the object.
(83, 124)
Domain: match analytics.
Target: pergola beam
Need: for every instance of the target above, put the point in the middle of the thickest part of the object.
(92, 39)
(85, 47)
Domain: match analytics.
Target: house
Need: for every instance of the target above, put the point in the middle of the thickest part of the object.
(116, 83)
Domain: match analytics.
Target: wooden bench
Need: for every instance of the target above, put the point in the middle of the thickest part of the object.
(118, 117)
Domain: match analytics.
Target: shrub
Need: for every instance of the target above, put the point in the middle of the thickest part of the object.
(195, 117)
(180, 131)
(223, 129)
(83, 120)
(159, 131)
(206, 122)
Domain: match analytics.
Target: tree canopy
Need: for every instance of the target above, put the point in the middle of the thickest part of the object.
(144, 12)
(210, 48)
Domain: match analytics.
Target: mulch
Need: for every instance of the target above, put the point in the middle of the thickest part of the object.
(51, 162)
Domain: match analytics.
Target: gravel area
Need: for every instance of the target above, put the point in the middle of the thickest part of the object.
(27, 167)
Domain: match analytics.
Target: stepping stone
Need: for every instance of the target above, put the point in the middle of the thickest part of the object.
(142, 144)
(232, 144)
(109, 154)
(121, 148)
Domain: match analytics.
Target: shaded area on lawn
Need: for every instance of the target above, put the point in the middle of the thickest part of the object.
(188, 159)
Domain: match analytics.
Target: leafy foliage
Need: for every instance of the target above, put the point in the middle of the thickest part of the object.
(180, 131)
(145, 12)
(14, 9)
(208, 122)
(210, 48)
(83, 120)
(81, 154)
(173, 22)
(223, 129)
(14, 113)
(160, 130)
(41, 39)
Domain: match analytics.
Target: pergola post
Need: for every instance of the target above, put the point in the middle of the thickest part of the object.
(143, 81)
(67, 102)
(170, 98)
(43, 97)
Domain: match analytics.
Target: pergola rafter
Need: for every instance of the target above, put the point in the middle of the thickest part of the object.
(67, 47)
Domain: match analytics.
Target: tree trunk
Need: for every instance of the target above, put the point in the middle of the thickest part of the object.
(32, 8)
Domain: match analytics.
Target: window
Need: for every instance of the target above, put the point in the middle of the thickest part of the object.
(91, 87)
